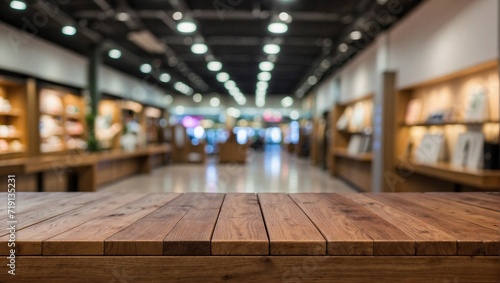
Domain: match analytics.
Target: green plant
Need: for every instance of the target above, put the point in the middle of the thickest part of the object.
(93, 144)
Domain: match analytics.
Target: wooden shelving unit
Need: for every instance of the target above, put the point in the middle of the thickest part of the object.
(13, 118)
(355, 168)
(451, 94)
(109, 128)
(62, 118)
(152, 117)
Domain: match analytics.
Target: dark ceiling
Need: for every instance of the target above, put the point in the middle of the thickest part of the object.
(234, 30)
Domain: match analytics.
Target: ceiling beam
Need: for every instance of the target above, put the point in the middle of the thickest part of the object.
(248, 41)
(231, 15)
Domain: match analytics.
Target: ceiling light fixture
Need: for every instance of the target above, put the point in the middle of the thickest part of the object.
(277, 27)
(285, 17)
(114, 53)
(146, 68)
(214, 66)
(294, 115)
(262, 85)
(260, 102)
(165, 77)
(229, 84)
(312, 80)
(214, 101)
(343, 47)
(287, 102)
(356, 35)
(199, 48)
(264, 76)
(186, 27)
(222, 77)
(177, 16)
(197, 98)
(266, 66)
(18, 5)
(69, 30)
(272, 48)
(122, 16)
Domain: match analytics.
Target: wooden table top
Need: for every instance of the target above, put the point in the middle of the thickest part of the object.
(403, 224)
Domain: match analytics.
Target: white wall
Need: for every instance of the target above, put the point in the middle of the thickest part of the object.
(23, 53)
(442, 37)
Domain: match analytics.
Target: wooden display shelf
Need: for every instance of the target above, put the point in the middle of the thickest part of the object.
(74, 116)
(482, 179)
(16, 136)
(342, 152)
(424, 124)
(58, 114)
(12, 113)
(203, 237)
(11, 152)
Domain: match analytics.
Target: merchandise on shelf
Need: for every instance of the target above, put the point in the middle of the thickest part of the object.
(5, 106)
(73, 128)
(50, 102)
(50, 126)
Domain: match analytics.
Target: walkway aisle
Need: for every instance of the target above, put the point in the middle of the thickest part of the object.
(272, 171)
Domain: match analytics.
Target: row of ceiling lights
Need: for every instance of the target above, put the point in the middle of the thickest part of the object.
(114, 53)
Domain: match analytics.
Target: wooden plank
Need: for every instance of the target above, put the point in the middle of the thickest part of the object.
(491, 203)
(192, 234)
(471, 238)
(29, 240)
(290, 230)
(88, 238)
(69, 202)
(240, 227)
(32, 201)
(480, 216)
(342, 235)
(249, 269)
(429, 240)
(145, 237)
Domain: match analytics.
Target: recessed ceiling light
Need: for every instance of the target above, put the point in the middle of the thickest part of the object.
(241, 101)
(312, 80)
(222, 77)
(179, 110)
(214, 66)
(199, 48)
(186, 27)
(229, 84)
(177, 16)
(343, 47)
(146, 68)
(264, 76)
(272, 48)
(285, 17)
(260, 102)
(214, 102)
(294, 115)
(287, 102)
(122, 16)
(266, 66)
(165, 77)
(277, 28)
(261, 93)
(69, 30)
(356, 35)
(197, 97)
(168, 99)
(18, 5)
(115, 53)
(262, 85)
(234, 91)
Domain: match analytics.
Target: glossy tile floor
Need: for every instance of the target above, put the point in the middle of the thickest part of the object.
(271, 171)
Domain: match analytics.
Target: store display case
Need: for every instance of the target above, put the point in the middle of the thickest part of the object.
(448, 132)
(351, 139)
(152, 118)
(13, 118)
(62, 121)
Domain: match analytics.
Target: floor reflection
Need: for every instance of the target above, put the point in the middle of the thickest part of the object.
(271, 171)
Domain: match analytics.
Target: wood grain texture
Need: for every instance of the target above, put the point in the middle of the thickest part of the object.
(29, 240)
(193, 233)
(240, 227)
(145, 237)
(52, 209)
(88, 238)
(249, 269)
(429, 240)
(484, 201)
(332, 212)
(470, 237)
(290, 230)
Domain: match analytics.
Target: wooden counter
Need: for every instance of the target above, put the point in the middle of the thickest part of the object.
(168, 237)
(82, 171)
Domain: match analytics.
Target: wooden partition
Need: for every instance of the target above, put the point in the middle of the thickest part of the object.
(450, 96)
